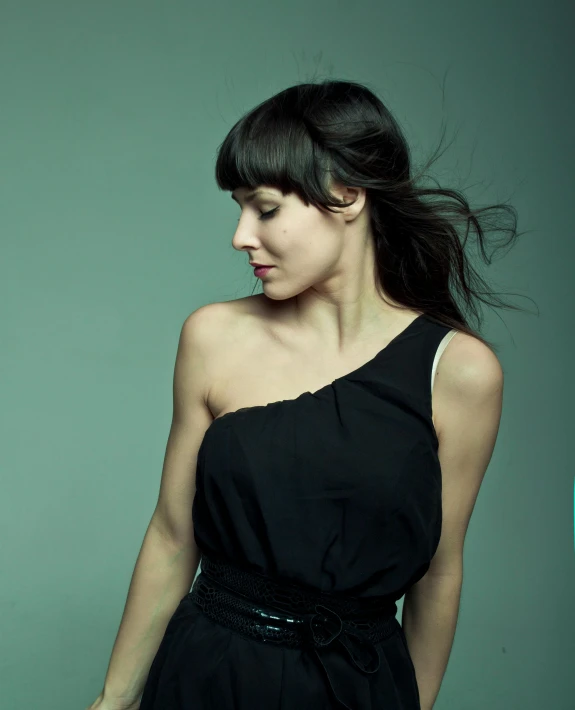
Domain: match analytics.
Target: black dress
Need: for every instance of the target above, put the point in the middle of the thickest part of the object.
(337, 491)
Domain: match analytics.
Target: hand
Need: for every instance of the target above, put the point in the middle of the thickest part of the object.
(103, 703)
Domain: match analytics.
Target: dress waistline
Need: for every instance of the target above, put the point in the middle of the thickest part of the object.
(341, 631)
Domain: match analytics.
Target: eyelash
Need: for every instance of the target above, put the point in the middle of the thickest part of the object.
(267, 215)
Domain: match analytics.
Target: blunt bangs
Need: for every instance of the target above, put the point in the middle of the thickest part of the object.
(272, 145)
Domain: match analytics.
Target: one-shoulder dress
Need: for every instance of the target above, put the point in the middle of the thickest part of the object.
(308, 512)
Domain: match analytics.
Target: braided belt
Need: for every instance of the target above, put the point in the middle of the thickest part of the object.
(258, 607)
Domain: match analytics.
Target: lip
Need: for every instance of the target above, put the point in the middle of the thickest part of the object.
(257, 266)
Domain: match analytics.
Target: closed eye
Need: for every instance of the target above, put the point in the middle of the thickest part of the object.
(267, 215)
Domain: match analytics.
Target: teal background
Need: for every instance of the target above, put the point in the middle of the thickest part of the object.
(113, 231)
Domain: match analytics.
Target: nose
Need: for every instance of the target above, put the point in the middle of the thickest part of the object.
(244, 239)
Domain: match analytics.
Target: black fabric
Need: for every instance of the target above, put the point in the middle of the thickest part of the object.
(328, 625)
(335, 493)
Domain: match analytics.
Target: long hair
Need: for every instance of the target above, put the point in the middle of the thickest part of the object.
(312, 133)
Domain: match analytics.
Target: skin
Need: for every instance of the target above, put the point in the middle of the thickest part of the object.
(324, 266)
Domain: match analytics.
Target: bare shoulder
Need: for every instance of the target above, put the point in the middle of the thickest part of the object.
(220, 330)
(469, 375)
(469, 364)
(217, 321)
(206, 322)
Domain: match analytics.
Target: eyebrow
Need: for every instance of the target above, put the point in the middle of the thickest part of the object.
(251, 195)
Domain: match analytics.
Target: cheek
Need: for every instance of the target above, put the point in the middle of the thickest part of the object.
(305, 246)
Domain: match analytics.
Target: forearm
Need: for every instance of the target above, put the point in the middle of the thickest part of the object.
(163, 575)
(429, 619)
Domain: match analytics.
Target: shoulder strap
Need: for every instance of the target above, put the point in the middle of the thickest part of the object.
(438, 353)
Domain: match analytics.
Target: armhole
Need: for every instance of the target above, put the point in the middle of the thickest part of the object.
(442, 345)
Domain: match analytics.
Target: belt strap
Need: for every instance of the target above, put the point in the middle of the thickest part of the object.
(336, 628)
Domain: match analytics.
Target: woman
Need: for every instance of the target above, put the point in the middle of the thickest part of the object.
(330, 435)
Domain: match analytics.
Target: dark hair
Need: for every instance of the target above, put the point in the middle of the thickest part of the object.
(312, 133)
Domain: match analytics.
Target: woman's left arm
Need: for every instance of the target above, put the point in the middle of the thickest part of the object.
(467, 403)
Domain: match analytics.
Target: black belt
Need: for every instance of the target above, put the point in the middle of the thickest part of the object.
(258, 607)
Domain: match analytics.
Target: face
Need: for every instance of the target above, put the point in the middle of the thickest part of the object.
(309, 248)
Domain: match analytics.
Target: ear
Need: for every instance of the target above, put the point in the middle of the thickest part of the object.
(356, 195)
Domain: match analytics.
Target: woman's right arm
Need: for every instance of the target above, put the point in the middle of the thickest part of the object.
(169, 558)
